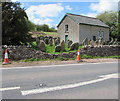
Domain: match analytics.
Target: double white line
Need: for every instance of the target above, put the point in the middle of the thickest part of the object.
(9, 88)
(43, 90)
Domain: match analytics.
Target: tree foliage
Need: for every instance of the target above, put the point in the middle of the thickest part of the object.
(31, 26)
(119, 24)
(14, 24)
(111, 19)
(44, 28)
(52, 29)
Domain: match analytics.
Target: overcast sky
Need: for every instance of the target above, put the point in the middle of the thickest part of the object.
(52, 12)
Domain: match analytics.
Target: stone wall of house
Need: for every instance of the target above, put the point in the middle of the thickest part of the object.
(88, 31)
(26, 52)
(73, 30)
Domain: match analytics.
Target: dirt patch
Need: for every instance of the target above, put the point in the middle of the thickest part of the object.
(43, 63)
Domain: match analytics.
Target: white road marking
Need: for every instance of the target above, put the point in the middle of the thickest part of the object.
(115, 75)
(43, 90)
(9, 88)
(53, 65)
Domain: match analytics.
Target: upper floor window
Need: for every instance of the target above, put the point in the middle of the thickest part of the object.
(66, 28)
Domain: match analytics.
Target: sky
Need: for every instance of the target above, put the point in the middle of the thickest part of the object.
(51, 13)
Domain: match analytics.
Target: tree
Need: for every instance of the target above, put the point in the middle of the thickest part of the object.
(119, 22)
(45, 28)
(52, 29)
(39, 28)
(31, 26)
(14, 24)
(111, 19)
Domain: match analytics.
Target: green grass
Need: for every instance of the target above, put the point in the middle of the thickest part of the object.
(86, 57)
(97, 57)
(48, 33)
(66, 59)
(50, 49)
(107, 57)
(36, 35)
(34, 45)
(51, 33)
(55, 59)
(32, 59)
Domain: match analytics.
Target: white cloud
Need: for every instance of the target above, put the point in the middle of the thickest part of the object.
(102, 6)
(119, 5)
(45, 21)
(42, 14)
(24, 5)
(68, 7)
(13, 0)
(105, 5)
(48, 10)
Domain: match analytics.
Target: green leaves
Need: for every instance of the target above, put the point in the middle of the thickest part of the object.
(14, 24)
(31, 26)
(44, 28)
(111, 19)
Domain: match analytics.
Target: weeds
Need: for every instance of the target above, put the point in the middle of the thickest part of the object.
(66, 59)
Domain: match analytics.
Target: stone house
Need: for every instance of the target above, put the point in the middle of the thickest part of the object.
(78, 27)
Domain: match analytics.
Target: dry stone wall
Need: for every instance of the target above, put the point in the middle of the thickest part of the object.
(26, 52)
(104, 50)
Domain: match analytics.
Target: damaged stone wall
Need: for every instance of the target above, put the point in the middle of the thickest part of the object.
(26, 52)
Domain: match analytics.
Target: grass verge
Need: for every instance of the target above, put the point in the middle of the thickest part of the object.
(97, 57)
(56, 59)
(66, 59)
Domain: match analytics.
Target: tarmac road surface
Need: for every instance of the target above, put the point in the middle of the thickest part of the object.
(72, 81)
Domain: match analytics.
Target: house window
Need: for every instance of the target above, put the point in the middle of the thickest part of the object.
(66, 28)
(100, 34)
(94, 38)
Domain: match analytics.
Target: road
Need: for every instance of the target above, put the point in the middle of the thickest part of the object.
(72, 81)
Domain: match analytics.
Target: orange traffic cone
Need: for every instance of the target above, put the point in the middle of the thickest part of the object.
(78, 56)
(6, 60)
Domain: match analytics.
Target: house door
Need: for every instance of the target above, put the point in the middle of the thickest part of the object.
(66, 38)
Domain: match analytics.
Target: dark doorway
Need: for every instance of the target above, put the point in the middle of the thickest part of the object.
(66, 38)
(94, 38)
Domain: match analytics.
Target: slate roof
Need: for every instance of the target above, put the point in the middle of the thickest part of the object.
(80, 19)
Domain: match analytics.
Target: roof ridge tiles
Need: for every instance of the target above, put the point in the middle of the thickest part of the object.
(81, 15)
